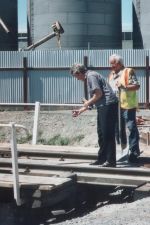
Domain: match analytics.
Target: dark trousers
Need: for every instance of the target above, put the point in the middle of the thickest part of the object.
(128, 118)
(106, 120)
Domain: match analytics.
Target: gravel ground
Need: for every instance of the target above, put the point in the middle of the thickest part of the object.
(61, 123)
(81, 130)
(135, 213)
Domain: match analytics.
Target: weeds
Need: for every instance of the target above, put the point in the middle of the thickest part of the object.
(25, 139)
(58, 140)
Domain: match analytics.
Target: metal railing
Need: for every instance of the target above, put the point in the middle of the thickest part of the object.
(14, 157)
(13, 126)
(38, 105)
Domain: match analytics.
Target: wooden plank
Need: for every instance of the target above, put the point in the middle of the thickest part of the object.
(98, 178)
(52, 152)
(111, 180)
(77, 149)
(52, 182)
(39, 172)
(86, 167)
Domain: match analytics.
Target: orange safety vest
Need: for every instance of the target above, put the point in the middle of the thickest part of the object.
(128, 99)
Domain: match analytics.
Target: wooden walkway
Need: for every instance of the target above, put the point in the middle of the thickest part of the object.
(58, 169)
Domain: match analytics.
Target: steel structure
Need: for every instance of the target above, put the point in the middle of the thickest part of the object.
(141, 23)
(8, 26)
(87, 24)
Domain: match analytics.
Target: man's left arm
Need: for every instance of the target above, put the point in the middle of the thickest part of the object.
(133, 84)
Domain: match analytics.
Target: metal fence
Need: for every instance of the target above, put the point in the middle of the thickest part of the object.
(44, 75)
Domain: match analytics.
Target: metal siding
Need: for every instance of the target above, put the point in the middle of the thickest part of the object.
(11, 86)
(47, 86)
(12, 59)
(65, 58)
(56, 58)
(54, 87)
(141, 75)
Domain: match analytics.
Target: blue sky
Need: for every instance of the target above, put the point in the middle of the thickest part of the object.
(22, 17)
(126, 15)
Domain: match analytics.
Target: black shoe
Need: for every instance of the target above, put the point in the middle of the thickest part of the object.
(108, 164)
(133, 157)
(97, 162)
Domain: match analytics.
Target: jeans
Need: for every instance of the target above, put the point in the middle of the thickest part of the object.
(128, 118)
(106, 120)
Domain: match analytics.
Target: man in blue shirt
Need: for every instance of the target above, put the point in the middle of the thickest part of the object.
(105, 100)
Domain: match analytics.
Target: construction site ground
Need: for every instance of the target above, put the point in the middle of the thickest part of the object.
(113, 209)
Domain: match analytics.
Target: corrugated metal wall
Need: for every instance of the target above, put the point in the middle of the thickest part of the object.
(48, 75)
(11, 86)
(54, 87)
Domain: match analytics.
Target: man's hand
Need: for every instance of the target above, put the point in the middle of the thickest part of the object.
(75, 113)
(120, 86)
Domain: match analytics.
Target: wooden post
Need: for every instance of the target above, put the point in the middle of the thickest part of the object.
(85, 82)
(25, 81)
(147, 82)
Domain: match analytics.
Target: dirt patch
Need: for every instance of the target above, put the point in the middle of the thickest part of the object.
(80, 131)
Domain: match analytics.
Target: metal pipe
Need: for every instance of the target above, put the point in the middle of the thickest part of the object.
(15, 165)
(42, 104)
(4, 26)
(48, 37)
(57, 28)
(14, 159)
(36, 120)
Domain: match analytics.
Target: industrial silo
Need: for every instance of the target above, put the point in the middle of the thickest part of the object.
(8, 25)
(141, 24)
(88, 24)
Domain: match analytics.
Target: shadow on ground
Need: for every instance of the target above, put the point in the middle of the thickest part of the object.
(87, 200)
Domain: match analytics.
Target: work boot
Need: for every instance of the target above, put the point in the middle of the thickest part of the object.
(97, 162)
(133, 157)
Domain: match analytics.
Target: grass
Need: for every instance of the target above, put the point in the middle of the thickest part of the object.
(59, 140)
(25, 139)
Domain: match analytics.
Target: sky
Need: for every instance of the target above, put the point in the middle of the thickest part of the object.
(126, 15)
